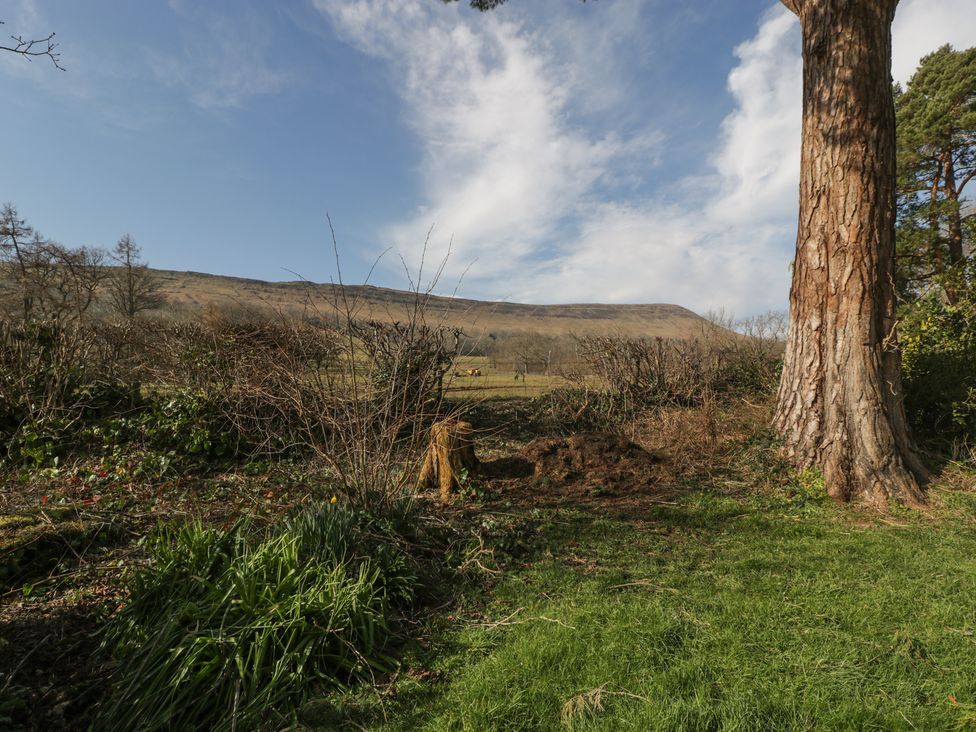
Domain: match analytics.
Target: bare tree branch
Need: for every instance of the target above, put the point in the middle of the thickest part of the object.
(484, 5)
(481, 5)
(32, 48)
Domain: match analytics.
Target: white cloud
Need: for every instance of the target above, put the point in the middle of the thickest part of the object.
(726, 241)
(922, 26)
(502, 167)
(758, 160)
(224, 61)
(520, 184)
(23, 19)
(219, 62)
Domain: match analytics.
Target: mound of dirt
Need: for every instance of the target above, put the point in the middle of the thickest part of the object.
(591, 465)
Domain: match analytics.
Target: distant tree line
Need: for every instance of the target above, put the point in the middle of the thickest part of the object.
(523, 351)
(41, 279)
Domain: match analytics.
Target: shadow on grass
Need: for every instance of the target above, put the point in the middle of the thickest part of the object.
(51, 670)
(500, 420)
(35, 543)
(525, 544)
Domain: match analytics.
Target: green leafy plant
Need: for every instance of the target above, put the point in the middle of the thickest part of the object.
(938, 342)
(251, 624)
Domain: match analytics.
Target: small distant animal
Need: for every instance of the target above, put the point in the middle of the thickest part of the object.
(468, 372)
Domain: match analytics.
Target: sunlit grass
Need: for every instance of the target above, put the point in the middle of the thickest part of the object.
(721, 613)
(498, 382)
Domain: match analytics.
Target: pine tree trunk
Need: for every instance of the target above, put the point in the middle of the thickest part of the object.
(956, 254)
(840, 399)
(935, 231)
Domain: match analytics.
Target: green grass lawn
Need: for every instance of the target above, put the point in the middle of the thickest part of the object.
(714, 613)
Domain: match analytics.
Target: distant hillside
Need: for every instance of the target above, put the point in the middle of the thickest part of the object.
(189, 291)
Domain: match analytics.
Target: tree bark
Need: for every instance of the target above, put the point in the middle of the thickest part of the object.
(840, 399)
(956, 254)
(938, 261)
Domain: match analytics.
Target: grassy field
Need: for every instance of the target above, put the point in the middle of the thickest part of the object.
(498, 383)
(715, 611)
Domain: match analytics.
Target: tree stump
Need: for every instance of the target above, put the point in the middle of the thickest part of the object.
(451, 451)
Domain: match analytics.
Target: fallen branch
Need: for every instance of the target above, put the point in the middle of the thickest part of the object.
(643, 583)
(507, 620)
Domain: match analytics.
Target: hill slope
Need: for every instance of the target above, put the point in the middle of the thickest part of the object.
(194, 290)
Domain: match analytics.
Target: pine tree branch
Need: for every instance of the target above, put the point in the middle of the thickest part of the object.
(965, 181)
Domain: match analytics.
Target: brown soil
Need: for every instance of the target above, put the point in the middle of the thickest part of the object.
(588, 468)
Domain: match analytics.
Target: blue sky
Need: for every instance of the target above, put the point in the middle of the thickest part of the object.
(613, 151)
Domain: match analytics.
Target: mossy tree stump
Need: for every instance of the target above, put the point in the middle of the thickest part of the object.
(450, 452)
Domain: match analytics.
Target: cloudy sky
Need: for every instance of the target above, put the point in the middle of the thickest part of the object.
(612, 151)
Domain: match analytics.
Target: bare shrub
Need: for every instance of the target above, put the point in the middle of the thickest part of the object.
(407, 361)
(758, 354)
(648, 372)
(52, 377)
(359, 395)
(355, 392)
(653, 372)
(386, 391)
(580, 407)
(263, 380)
